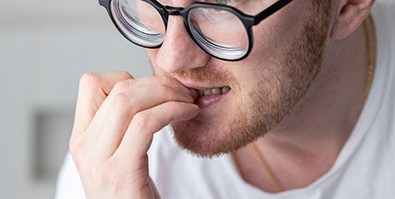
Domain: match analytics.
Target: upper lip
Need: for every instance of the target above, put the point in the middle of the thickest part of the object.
(197, 86)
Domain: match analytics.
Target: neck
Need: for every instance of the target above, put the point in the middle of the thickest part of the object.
(305, 145)
(330, 109)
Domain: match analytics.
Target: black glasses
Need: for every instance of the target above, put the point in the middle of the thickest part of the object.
(222, 31)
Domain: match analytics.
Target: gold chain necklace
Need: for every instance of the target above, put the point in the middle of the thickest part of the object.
(275, 181)
(370, 34)
(371, 46)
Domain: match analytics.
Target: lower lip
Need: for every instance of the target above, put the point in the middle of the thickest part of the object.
(206, 101)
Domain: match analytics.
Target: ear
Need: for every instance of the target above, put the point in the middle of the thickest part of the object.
(349, 15)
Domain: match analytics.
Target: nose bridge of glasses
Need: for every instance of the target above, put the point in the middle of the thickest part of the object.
(174, 10)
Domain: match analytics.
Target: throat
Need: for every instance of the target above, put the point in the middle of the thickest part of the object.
(292, 168)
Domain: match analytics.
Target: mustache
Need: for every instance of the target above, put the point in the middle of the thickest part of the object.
(206, 74)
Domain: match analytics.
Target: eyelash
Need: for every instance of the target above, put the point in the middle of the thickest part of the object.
(226, 2)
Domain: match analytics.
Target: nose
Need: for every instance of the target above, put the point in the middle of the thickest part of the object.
(178, 51)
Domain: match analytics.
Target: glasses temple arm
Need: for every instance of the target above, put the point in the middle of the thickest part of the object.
(270, 10)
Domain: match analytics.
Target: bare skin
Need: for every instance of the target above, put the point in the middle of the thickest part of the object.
(114, 126)
(306, 144)
(117, 115)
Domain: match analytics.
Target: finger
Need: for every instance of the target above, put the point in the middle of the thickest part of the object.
(122, 108)
(144, 93)
(93, 90)
(138, 137)
(164, 81)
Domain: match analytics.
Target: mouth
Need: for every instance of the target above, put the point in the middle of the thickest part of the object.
(213, 91)
(209, 96)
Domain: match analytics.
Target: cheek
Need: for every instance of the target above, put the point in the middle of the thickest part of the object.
(151, 53)
(275, 35)
(268, 63)
(268, 87)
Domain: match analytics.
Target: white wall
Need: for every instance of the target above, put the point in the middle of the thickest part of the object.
(45, 46)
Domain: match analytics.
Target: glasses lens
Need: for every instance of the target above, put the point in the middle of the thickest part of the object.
(139, 21)
(220, 32)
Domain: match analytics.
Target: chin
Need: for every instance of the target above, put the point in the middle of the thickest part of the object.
(206, 136)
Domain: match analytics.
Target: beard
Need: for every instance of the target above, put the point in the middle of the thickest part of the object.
(253, 113)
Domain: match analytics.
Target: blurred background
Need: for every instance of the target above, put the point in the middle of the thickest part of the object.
(45, 46)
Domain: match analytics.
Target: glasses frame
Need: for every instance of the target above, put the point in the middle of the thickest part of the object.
(165, 11)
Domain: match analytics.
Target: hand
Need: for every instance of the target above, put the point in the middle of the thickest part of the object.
(116, 117)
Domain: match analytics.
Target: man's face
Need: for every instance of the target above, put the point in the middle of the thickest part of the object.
(286, 57)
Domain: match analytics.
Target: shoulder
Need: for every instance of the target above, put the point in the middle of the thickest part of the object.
(384, 14)
(383, 92)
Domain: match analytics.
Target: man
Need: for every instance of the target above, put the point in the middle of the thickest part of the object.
(302, 110)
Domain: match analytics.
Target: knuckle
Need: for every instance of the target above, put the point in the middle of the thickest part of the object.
(126, 74)
(141, 121)
(90, 80)
(121, 86)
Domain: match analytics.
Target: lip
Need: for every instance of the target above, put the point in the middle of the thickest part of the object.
(204, 101)
(196, 86)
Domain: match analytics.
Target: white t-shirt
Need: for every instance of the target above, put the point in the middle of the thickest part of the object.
(364, 169)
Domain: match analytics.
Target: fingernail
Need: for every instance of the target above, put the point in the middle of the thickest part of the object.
(194, 93)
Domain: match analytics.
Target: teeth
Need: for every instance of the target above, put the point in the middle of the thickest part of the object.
(225, 89)
(207, 92)
(214, 91)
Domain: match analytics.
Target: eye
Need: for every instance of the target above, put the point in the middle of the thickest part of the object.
(227, 2)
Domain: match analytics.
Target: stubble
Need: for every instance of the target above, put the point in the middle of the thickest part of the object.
(260, 112)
